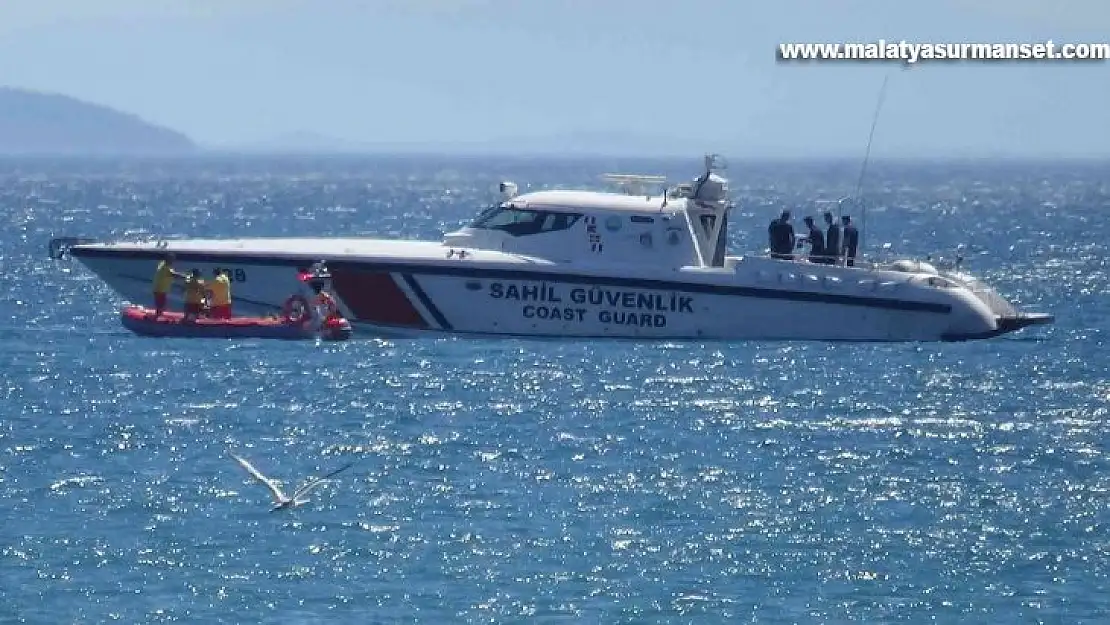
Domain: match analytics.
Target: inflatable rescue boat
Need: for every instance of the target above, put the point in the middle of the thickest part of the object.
(142, 321)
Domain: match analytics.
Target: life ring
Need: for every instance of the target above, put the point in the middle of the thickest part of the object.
(287, 309)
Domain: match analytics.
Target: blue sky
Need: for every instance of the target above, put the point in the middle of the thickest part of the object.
(686, 75)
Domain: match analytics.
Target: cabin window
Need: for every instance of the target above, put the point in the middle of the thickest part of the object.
(522, 222)
(486, 214)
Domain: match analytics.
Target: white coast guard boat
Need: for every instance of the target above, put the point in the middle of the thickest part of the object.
(583, 264)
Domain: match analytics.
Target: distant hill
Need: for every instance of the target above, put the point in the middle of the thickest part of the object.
(51, 124)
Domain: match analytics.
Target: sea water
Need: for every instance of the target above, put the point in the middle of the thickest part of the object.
(553, 481)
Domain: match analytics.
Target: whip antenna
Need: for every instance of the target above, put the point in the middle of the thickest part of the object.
(866, 159)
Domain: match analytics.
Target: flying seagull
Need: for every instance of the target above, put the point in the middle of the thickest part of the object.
(281, 501)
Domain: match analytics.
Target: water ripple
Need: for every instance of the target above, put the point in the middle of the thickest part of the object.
(516, 481)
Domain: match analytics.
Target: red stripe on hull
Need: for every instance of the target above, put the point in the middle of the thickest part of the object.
(374, 297)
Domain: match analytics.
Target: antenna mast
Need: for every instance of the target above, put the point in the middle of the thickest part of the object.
(866, 158)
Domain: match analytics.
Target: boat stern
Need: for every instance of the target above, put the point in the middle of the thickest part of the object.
(1003, 316)
(978, 310)
(1024, 320)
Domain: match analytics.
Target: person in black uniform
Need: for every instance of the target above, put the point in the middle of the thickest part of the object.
(832, 240)
(816, 241)
(851, 240)
(781, 234)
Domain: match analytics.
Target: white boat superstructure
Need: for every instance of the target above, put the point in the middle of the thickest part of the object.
(577, 263)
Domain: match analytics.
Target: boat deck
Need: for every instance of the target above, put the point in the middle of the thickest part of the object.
(314, 247)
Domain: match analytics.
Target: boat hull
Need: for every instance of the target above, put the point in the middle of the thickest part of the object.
(754, 298)
(142, 321)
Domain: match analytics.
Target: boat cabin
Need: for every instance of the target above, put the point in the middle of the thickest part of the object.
(679, 227)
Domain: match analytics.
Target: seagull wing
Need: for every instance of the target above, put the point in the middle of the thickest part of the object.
(274, 488)
(320, 480)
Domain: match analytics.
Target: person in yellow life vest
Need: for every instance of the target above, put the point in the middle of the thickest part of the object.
(221, 296)
(163, 280)
(194, 296)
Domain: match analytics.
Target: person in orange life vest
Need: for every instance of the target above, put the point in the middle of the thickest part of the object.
(321, 304)
(221, 296)
(163, 280)
(194, 296)
(321, 301)
(324, 300)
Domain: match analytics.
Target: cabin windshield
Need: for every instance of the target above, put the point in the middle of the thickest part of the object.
(523, 222)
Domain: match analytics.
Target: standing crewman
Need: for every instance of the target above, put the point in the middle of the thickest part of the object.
(832, 240)
(781, 235)
(163, 281)
(816, 241)
(851, 240)
(221, 296)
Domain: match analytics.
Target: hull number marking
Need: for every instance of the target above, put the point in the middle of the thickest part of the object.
(235, 275)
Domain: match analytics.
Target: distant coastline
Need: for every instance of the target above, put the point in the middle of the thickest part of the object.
(48, 124)
(38, 124)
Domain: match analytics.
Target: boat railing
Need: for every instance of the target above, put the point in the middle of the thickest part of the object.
(871, 263)
(951, 264)
(637, 184)
(887, 257)
(59, 247)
